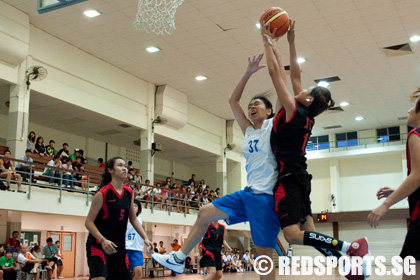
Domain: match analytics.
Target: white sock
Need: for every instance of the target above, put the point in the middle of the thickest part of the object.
(180, 255)
(345, 248)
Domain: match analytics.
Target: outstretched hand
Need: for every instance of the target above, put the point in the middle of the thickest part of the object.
(149, 245)
(374, 216)
(291, 32)
(254, 64)
(268, 36)
(384, 192)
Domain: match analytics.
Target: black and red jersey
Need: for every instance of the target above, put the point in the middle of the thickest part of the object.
(414, 198)
(112, 219)
(289, 139)
(213, 239)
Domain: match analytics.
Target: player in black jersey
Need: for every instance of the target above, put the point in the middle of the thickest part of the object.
(292, 128)
(410, 188)
(211, 250)
(106, 222)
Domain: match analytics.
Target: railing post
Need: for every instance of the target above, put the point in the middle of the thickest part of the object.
(87, 189)
(30, 182)
(185, 206)
(61, 185)
(152, 201)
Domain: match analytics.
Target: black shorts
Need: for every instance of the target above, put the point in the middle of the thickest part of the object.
(411, 245)
(211, 259)
(112, 267)
(291, 194)
(28, 267)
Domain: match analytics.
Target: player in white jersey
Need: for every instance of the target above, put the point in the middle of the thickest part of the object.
(134, 244)
(255, 203)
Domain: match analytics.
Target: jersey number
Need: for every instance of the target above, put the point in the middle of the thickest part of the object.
(309, 124)
(255, 142)
(122, 214)
(131, 236)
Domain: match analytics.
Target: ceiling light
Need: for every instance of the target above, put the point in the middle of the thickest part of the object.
(92, 13)
(359, 118)
(301, 60)
(323, 84)
(344, 104)
(152, 49)
(415, 38)
(201, 78)
(258, 25)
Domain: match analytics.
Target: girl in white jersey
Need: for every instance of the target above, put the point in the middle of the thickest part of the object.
(134, 244)
(256, 202)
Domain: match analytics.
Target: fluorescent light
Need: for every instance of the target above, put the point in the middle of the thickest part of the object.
(258, 25)
(301, 60)
(152, 49)
(415, 38)
(201, 78)
(359, 118)
(344, 104)
(323, 84)
(92, 13)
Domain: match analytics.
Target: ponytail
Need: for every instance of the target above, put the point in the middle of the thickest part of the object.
(106, 176)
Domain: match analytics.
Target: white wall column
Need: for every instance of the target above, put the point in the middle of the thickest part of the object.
(335, 182)
(147, 168)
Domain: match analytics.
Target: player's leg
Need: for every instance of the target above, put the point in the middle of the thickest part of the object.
(97, 263)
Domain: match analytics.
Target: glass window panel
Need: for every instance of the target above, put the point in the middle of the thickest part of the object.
(55, 237)
(381, 132)
(351, 135)
(323, 146)
(323, 139)
(383, 139)
(353, 142)
(340, 137)
(67, 243)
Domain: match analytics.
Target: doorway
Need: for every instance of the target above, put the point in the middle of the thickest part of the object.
(68, 250)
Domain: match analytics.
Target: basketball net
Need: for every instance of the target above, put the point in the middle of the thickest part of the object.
(157, 16)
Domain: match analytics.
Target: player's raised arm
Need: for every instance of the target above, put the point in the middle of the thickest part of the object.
(295, 75)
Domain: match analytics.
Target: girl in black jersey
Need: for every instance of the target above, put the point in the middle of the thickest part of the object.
(106, 222)
(410, 188)
(292, 127)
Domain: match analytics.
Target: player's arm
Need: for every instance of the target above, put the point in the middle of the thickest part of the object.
(226, 245)
(295, 74)
(137, 226)
(235, 97)
(410, 184)
(275, 66)
(107, 245)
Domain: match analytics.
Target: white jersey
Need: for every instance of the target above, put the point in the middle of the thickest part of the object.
(261, 165)
(133, 240)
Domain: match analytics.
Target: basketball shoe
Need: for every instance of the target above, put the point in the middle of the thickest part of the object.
(168, 260)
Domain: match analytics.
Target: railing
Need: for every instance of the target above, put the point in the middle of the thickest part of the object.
(359, 143)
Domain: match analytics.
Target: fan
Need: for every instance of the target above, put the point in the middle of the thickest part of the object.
(158, 120)
(35, 73)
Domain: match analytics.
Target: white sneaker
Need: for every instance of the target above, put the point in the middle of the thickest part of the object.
(201, 272)
(60, 277)
(48, 267)
(168, 260)
(33, 271)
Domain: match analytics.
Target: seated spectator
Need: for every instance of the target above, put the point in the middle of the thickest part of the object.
(129, 164)
(8, 171)
(64, 152)
(30, 143)
(77, 153)
(246, 260)
(204, 199)
(101, 163)
(130, 175)
(39, 146)
(29, 262)
(137, 177)
(8, 266)
(68, 176)
(236, 265)
(251, 262)
(165, 197)
(49, 251)
(156, 195)
(25, 168)
(192, 180)
(1, 252)
(78, 166)
(36, 251)
(51, 172)
(14, 241)
(146, 192)
(50, 150)
(217, 193)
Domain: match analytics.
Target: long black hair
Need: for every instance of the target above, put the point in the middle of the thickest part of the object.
(106, 176)
(138, 203)
(322, 100)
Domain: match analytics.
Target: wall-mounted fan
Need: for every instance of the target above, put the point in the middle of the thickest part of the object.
(35, 73)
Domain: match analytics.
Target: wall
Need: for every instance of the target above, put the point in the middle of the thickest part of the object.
(321, 190)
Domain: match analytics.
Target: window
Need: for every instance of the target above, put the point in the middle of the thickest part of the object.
(346, 139)
(388, 134)
(318, 143)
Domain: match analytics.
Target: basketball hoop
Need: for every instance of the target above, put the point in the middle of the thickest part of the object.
(157, 16)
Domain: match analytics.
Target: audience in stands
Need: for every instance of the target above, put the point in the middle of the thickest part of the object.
(192, 180)
(50, 150)
(165, 197)
(78, 166)
(129, 164)
(25, 168)
(78, 153)
(14, 241)
(137, 177)
(29, 262)
(50, 171)
(30, 143)
(8, 171)
(101, 163)
(64, 152)
(8, 266)
(68, 176)
(39, 146)
(130, 175)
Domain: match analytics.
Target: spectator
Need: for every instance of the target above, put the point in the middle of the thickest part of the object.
(36, 251)
(203, 184)
(1, 252)
(24, 168)
(168, 181)
(14, 241)
(161, 249)
(204, 199)
(246, 260)
(192, 180)
(175, 248)
(64, 152)
(217, 193)
(8, 266)
(156, 194)
(51, 172)
(137, 177)
(173, 177)
(39, 146)
(236, 265)
(165, 197)
(130, 163)
(8, 171)
(29, 262)
(101, 163)
(68, 176)
(77, 165)
(50, 150)
(77, 153)
(59, 260)
(49, 251)
(155, 249)
(30, 143)
(146, 191)
(130, 176)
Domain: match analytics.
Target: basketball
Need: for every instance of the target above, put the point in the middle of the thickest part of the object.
(277, 18)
